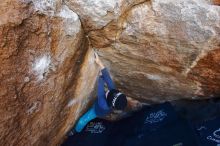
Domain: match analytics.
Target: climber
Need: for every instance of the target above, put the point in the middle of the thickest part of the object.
(106, 102)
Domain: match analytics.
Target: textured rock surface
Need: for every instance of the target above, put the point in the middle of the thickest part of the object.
(171, 46)
(44, 72)
(156, 51)
(216, 2)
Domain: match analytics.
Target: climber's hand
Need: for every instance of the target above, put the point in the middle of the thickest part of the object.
(98, 61)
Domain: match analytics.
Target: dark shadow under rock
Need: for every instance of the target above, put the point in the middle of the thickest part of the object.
(156, 125)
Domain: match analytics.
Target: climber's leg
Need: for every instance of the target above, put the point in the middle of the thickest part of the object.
(86, 118)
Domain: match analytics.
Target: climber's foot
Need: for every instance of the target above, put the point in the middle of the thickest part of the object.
(72, 132)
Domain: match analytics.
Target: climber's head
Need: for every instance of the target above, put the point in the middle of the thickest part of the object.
(116, 99)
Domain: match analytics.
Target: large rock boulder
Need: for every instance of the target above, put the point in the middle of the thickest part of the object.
(156, 51)
(46, 71)
(164, 50)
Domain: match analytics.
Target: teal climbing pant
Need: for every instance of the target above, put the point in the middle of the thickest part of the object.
(86, 118)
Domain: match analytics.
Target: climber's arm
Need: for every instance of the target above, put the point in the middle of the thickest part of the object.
(105, 74)
(101, 94)
(107, 78)
(98, 61)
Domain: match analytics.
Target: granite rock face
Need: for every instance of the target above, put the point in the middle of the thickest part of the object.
(155, 50)
(216, 2)
(164, 50)
(44, 72)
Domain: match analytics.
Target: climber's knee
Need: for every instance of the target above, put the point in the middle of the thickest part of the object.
(81, 121)
(80, 125)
